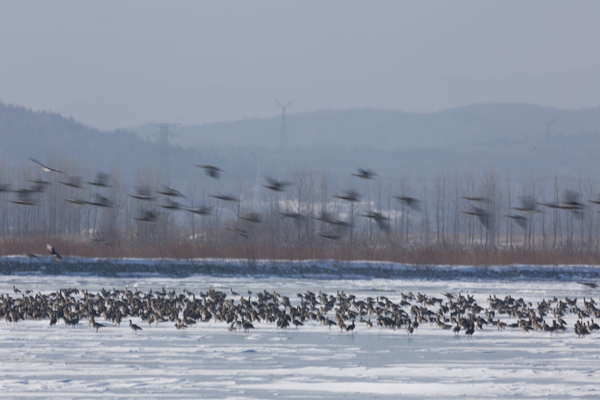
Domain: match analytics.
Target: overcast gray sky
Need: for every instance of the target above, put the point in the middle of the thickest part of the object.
(115, 64)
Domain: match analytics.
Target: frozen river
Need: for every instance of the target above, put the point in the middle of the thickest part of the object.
(206, 361)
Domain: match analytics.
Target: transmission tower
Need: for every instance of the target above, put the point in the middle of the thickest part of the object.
(163, 139)
(283, 138)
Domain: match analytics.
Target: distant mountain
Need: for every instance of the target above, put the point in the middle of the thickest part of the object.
(512, 138)
(455, 128)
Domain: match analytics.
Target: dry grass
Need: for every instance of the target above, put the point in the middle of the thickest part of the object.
(242, 248)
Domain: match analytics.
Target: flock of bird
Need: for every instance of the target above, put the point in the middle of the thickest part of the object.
(452, 312)
(479, 207)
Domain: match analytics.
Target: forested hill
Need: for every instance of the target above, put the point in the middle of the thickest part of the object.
(509, 137)
(380, 129)
(47, 135)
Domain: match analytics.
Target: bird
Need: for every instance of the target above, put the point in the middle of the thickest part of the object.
(519, 219)
(24, 198)
(77, 202)
(73, 181)
(482, 215)
(528, 205)
(102, 180)
(477, 199)
(98, 325)
(379, 218)
(350, 328)
(251, 217)
(411, 202)
(589, 284)
(172, 205)
(211, 171)
(331, 236)
(224, 197)
(243, 233)
(101, 201)
(275, 185)
(147, 216)
(44, 167)
(201, 210)
(365, 174)
(143, 193)
(351, 196)
(293, 215)
(134, 327)
(57, 257)
(167, 191)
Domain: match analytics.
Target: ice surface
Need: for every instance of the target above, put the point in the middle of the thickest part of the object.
(207, 361)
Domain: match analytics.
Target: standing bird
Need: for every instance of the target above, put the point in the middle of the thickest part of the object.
(134, 327)
(57, 257)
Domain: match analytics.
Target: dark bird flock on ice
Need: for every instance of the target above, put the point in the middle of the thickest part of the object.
(346, 312)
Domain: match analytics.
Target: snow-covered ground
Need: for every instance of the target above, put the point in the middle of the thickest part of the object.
(207, 361)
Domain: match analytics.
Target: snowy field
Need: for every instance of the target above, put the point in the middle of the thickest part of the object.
(206, 361)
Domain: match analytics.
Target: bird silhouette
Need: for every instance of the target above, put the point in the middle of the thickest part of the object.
(44, 167)
(102, 180)
(73, 181)
(211, 171)
(143, 193)
(57, 257)
(411, 202)
(275, 185)
(365, 174)
(351, 196)
(167, 191)
(147, 216)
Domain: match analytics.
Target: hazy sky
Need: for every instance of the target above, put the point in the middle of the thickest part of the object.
(115, 63)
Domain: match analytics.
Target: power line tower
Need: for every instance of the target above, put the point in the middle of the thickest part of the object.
(283, 138)
(163, 139)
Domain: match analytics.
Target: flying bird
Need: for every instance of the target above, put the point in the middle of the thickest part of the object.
(482, 215)
(528, 205)
(44, 167)
(411, 202)
(275, 185)
(24, 198)
(167, 191)
(351, 196)
(331, 236)
(201, 210)
(101, 201)
(477, 199)
(365, 174)
(251, 217)
(147, 216)
(57, 257)
(224, 197)
(172, 205)
(296, 216)
(102, 180)
(73, 181)
(519, 219)
(143, 193)
(243, 233)
(211, 171)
